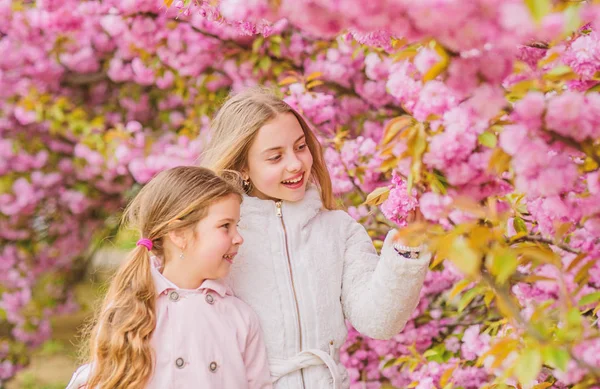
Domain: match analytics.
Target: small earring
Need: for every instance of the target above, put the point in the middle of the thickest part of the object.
(246, 184)
(181, 255)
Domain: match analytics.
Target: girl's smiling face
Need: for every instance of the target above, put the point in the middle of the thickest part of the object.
(279, 161)
(209, 248)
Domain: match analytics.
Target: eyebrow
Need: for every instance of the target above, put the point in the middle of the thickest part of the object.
(281, 147)
(226, 220)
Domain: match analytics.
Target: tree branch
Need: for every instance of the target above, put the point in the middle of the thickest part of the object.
(539, 239)
(572, 143)
(503, 293)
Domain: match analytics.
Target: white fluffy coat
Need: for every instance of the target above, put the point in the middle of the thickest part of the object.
(336, 274)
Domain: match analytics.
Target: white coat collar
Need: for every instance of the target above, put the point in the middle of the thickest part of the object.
(298, 212)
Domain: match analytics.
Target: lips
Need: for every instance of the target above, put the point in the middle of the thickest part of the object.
(294, 182)
(229, 257)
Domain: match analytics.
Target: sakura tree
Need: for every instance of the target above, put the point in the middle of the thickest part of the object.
(483, 113)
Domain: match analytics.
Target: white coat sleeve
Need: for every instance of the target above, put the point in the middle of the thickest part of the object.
(80, 377)
(379, 293)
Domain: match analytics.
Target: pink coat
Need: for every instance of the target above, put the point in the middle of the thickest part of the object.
(203, 338)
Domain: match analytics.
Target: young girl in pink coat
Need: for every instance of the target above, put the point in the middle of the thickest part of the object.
(168, 321)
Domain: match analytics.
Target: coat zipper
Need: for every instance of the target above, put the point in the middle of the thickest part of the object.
(287, 252)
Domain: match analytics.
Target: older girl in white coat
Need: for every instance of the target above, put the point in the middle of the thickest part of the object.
(306, 267)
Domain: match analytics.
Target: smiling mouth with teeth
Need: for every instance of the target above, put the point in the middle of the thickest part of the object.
(294, 181)
(229, 257)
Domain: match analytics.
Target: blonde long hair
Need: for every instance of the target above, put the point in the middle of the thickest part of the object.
(236, 125)
(120, 349)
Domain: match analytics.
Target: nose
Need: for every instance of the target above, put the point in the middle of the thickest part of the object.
(238, 239)
(294, 164)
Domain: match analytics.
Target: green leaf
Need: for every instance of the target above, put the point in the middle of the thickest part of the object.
(572, 18)
(504, 264)
(488, 139)
(519, 225)
(560, 73)
(257, 44)
(265, 63)
(429, 353)
(459, 287)
(528, 365)
(574, 318)
(275, 49)
(556, 357)
(466, 298)
(464, 256)
(590, 298)
(538, 8)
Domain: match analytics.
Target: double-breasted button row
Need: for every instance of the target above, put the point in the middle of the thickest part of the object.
(180, 364)
(174, 296)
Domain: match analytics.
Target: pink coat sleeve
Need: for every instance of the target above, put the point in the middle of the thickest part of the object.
(255, 357)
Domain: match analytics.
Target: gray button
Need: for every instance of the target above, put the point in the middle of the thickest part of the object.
(180, 363)
(210, 299)
(213, 366)
(174, 296)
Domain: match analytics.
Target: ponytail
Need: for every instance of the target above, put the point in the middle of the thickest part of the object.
(121, 352)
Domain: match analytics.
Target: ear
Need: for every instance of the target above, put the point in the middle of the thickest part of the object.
(179, 237)
(245, 175)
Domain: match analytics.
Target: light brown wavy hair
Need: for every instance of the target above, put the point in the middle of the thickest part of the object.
(236, 125)
(120, 350)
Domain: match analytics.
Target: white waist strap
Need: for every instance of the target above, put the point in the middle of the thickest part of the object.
(311, 357)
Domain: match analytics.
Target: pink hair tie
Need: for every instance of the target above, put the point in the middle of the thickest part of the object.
(147, 243)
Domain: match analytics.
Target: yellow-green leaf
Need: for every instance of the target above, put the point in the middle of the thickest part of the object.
(575, 262)
(488, 298)
(466, 259)
(572, 18)
(439, 66)
(395, 127)
(265, 63)
(499, 161)
(429, 353)
(519, 225)
(466, 299)
(445, 378)
(583, 273)
(257, 44)
(528, 366)
(488, 139)
(556, 357)
(562, 72)
(288, 80)
(503, 264)
(313, 76)
(538, 8)
(314, 84)
(378, 196)
(590, 298)
(459, 287)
